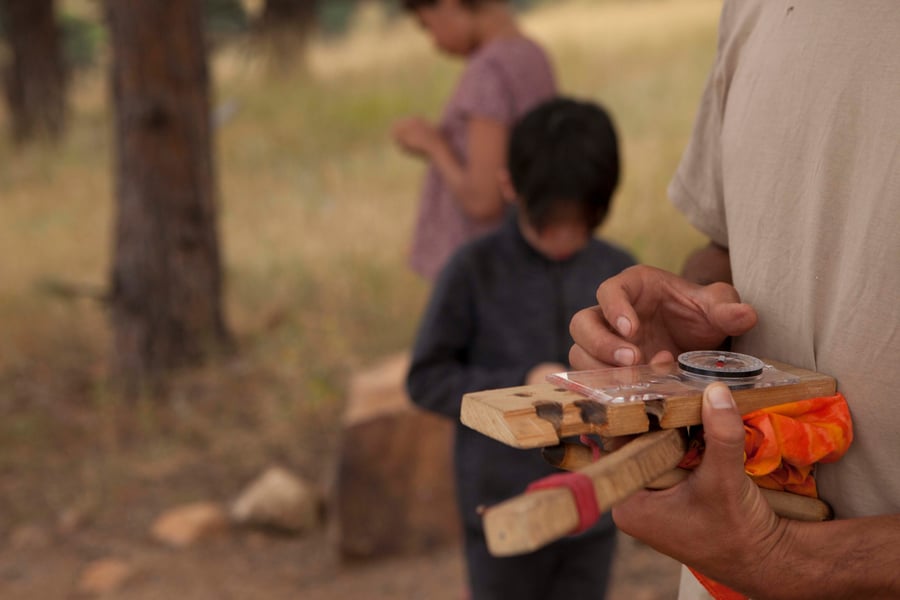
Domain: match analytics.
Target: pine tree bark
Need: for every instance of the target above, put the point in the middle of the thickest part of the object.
(166, 275)
(35, 79)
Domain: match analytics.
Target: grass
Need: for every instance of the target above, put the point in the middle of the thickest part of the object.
(316, 213)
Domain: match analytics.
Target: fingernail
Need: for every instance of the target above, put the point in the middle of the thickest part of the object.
(623, 326)
(719, 397)
(624, 356)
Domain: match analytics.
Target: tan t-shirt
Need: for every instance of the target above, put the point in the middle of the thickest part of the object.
(794, 165)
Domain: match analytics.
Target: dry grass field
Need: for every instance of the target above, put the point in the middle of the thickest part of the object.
(316, 214)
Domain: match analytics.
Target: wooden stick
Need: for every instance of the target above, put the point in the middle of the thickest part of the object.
(784, 504)
(573, 457)
(529, 521)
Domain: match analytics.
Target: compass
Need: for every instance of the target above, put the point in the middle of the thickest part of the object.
(720, 365)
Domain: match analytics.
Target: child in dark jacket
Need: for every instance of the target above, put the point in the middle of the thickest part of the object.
(498, 317)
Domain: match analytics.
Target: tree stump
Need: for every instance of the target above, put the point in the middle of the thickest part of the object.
(394, 487)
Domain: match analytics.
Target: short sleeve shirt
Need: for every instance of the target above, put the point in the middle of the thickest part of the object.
(794, 165)
(501, 82)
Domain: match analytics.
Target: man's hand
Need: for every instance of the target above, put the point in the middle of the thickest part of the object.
(716, 520)
(646, 314)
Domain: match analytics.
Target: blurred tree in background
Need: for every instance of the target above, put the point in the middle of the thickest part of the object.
(166, 279)
(35, 78)
(166, 276)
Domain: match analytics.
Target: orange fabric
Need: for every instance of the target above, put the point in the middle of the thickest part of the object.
(781, 446)
(783, 443)
(716, 589)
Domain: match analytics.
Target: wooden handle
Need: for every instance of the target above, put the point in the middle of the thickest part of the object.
(532, 520)
(784, 504)
(572, 457)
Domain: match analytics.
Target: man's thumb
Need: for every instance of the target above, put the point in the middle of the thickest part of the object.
(734, 318)
(723, 431)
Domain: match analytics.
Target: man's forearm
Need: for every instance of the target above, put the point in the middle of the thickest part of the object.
(842, 559)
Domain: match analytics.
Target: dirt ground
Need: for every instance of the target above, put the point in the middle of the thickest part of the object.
(91, 489)
(90, 482)
(88, 485)
(248, 564)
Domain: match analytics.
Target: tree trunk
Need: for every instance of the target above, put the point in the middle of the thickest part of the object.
(35, 78)
(166, 273)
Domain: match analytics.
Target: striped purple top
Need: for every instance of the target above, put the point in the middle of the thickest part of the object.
(502, 81)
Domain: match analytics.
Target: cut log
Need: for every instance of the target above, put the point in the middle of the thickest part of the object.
(394, 491)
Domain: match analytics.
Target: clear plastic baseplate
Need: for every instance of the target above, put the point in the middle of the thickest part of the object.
(656, 382)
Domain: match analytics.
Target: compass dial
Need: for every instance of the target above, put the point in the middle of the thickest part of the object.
(720, 365)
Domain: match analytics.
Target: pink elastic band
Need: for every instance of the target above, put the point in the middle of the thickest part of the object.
(582, 489)
(596, 450)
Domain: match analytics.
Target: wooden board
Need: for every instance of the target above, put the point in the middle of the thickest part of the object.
(535, 416)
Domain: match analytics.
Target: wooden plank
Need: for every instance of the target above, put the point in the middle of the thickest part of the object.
(684, 411)
(509, 415)
(532, 520)
(540, 415)
(534, 416)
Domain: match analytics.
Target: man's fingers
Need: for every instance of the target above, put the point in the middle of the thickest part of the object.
(582, 361)
(662, 357)
(725, 310)
(596, 344)
(676, 315)
(617, 296)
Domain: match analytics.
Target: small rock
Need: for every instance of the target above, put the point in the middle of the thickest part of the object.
(29, 537)
(104, 576)
(279, 499)
(184, 525)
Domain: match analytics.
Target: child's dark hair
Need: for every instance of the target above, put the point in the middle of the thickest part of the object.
(564, 151)
(414, 4)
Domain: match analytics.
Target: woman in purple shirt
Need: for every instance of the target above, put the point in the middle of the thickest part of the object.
(506, 75)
